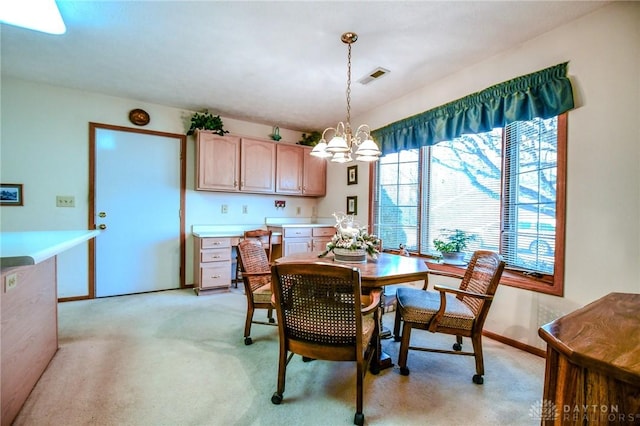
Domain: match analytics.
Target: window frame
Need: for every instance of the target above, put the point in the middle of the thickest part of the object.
(547, 283)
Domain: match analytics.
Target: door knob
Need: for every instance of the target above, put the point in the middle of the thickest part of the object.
(102, 214)
(102, 226)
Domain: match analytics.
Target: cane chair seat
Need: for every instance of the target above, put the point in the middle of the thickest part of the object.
(420, 307)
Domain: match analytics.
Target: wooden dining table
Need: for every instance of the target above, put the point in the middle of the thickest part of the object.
(385, 270)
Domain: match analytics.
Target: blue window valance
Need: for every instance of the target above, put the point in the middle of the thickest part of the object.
(542, 94)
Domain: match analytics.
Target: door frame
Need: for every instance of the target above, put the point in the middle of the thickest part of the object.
(92, 190)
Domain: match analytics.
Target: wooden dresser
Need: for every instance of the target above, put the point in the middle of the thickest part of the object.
(593, 363)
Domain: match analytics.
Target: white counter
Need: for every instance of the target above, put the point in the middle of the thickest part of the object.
(32, 247)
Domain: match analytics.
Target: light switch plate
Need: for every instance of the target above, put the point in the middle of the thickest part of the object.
(65, 201)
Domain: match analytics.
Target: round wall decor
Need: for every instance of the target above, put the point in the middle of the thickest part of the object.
(139, 117)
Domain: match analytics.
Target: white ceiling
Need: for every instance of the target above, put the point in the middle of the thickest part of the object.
(272, 62)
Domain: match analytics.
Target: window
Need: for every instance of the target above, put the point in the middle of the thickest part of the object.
(506, 187)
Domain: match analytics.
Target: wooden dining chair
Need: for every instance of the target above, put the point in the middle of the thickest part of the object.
(321, 316)
(256, 276)
(263, 236)
(457, 311)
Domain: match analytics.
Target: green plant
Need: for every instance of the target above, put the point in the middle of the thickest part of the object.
(451, 241)
(311, 139)
(206, 121)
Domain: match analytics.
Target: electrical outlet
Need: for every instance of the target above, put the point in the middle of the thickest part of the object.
(65, 201)
(10, 282)
(224, 209)
(245, 209)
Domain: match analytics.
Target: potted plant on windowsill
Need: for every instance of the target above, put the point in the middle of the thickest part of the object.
(452, 244)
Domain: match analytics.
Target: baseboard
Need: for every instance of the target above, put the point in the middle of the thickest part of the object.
(518, 345)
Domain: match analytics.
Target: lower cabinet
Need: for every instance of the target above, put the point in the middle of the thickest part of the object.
(212, 264)
(303, 239)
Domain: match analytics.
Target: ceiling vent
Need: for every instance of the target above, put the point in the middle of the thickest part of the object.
(374, 75)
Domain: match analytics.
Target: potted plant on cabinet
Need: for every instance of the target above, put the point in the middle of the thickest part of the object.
(452, 244)
(206, 121)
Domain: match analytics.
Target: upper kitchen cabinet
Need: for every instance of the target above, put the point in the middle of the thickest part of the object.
(239, 164)
(234, 164)
(257, 166)
(298, 173)
(314, 182)
(217, 162)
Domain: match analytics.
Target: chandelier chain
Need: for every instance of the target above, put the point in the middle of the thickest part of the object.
(349, 87)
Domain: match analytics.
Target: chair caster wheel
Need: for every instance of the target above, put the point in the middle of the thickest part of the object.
(272, 321)
(404, 371)
(457, 347)
(276, 398)
(248, 341)
(374, 370)
(478, 379)
(397, 338)
(358, 419)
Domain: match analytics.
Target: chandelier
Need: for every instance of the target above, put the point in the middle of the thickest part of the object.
(344, 142)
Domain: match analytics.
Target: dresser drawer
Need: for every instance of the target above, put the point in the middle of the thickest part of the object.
(215, 255)
(215, 276)
(207, 243)
(297, 232)
(324, 232)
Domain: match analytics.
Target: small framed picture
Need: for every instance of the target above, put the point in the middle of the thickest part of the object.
(352, 175)
(11, 194)
(352, 205)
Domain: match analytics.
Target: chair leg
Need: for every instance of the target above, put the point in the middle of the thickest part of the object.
(270, 315)
(476, 340)
(458, 345)
(404, 349)
(276, 398)
(359, 416)
(396, 325)
(247, 325)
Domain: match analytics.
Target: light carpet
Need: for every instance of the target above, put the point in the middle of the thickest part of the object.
(174, 358)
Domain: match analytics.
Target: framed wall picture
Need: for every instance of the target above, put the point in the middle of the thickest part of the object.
(352, 175)
(352, 205)
(11, 194)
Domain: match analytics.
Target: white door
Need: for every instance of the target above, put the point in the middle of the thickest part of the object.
(137, 200)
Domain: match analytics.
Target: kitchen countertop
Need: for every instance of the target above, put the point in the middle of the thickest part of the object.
(32, 247)
(236, 231)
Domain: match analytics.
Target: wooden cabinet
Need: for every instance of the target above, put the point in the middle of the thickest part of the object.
(234, 164)
(257, 166)
(29, 316)
(212, 264)
(321, 236)
(217, 162)
(314, 181)
(299, 173)
(592, 372)
(299, 239)
(290, 161)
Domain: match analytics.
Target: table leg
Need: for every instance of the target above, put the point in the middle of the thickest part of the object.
(381, 360)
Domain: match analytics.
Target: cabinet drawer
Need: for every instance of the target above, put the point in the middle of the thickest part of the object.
(297, 232)
(215, 243)
(324, 232)
(215, 276)
(215, 255)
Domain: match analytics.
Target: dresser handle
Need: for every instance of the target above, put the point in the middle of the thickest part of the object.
(215, 276)
(215, 257)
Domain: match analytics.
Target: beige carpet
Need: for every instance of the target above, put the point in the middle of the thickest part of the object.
(173, 358)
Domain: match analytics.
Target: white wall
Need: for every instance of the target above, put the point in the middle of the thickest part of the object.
(603, 184)
(45, 147)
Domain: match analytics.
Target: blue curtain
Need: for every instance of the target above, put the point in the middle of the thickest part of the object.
(543, 94)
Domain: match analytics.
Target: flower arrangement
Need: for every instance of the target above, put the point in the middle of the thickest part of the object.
(351, 236)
